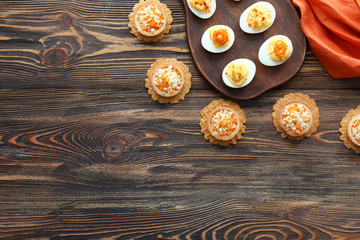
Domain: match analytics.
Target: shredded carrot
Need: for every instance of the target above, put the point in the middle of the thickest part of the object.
(280, 49)
(220, 37)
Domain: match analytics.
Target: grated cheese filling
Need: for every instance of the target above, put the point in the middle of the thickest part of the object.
(223, 122)
(355, 129)
(295, 117)
(150, 18)
(168, 80)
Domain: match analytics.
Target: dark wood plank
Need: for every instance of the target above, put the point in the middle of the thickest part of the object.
(86, 154)
(247, 46)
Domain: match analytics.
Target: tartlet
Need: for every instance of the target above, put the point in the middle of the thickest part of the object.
(350, 130)
(168, 80)
(296, 116)
(222, 122)
(150, 20)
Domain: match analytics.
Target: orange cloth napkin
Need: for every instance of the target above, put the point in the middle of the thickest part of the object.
(332, 28)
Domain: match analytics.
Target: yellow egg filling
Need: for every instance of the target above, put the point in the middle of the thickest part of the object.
(237, 73)
(259, 17)
(200, 5)
(219, 36)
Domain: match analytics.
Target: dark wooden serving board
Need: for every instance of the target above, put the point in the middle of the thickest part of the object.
(246, 45)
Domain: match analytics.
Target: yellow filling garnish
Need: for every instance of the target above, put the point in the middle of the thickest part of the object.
(219, 36)
(237, 73)
(278, 49)
(223, 122)
(168, 80)
(150, 18)
(259, 17)
(200, 5)
(355, 129)
(295, 118)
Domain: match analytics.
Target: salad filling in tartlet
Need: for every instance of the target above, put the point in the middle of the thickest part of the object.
(296, 116)
(222, 122)
(354, 130)
(296, 119)
(150, 20)
(168, 80)
(350, 129)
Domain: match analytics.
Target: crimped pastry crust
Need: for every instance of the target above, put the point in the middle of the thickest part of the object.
(206, 114)
(186, 79)
(301, 98)
(164, 9)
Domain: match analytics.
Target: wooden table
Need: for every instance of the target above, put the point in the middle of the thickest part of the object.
(85, 153)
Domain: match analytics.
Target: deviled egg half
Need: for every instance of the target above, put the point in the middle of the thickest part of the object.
(202, 8)
(257, 18)
(239, 73)
(275, 50)
(218, 38)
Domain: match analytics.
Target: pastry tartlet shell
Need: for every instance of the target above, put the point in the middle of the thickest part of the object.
(344, 129)
(186, 80)
(298, 98)
(158, 91)
(223, 138)
(207, 112)
(143, 35)
(303, 132)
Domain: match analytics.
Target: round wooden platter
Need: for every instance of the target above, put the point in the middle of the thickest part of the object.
(246, 45)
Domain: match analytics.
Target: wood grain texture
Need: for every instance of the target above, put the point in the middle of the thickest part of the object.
(246, 45)
(86, 154)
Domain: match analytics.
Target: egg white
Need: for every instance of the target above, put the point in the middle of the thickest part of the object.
(263, 54)
(204, 14)
(251, 68)
(208, 44)
(243, 18)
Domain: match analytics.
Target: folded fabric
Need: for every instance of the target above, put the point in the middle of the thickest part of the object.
(332, 28)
